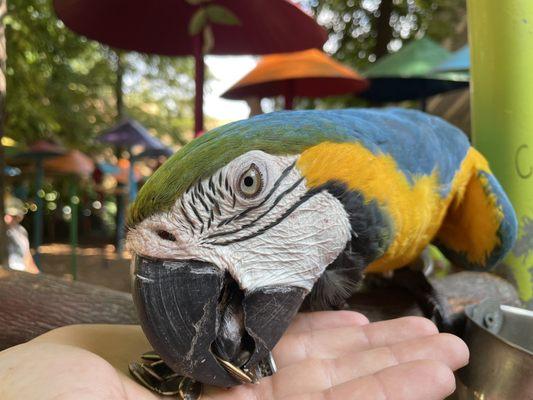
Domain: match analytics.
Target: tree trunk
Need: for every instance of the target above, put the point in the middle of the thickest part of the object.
(383, 28)
(3, 54)
(31, 305)
(255, 106)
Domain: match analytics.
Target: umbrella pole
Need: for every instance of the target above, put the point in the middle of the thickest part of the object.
(38, 214)
(423, 104)
(199, 85)
(289, 95)
(74, 201)
(122, 205)
(502, 121)
(131, 180)
(121, 219)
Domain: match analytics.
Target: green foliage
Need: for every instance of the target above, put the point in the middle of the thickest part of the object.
(221, 15)
(198, 21)
(196, 2)
(361, 31)
(204, 17)
(58, 84)
(211, 13)
(159, 93)
(62, 86)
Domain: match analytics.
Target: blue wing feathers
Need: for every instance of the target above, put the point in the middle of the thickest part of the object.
(420, 143)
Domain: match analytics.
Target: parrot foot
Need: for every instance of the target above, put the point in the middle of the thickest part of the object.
(429, 301)
(154, 374)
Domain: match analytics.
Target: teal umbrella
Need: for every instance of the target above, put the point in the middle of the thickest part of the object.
(38, 152)
(409, 74)
(75, 165)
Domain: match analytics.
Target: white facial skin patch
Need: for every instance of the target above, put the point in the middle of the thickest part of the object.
(255, 218)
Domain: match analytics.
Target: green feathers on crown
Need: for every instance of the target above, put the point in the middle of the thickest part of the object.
(280, 133)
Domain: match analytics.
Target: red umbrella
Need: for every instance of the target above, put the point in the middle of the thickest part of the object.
(165, 27)
(309, 73)
(72, 163)
(41, 149)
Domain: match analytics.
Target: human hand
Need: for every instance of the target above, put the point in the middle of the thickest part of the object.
(327, 355)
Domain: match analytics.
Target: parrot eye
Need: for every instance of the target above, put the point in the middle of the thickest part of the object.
(250, 182)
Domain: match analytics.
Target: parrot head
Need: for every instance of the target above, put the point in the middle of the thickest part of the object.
(229, 238)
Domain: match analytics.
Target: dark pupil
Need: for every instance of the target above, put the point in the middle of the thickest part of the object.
(248, 181)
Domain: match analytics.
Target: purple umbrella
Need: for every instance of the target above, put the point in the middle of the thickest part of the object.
(127, 134)
(131, 133)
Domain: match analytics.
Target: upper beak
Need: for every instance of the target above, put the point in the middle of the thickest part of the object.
(197, 318)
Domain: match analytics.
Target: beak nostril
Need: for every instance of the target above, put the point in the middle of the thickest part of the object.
(165, 235)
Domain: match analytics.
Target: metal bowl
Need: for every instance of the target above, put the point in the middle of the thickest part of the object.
(500, 339)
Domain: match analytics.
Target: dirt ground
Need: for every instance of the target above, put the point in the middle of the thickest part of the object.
(96, 265)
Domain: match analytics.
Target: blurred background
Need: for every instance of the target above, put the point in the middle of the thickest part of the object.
(95, 95)
(86, 124)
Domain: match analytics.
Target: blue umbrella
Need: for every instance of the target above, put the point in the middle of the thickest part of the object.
(11, 171)
(457, 62)
(108, 168)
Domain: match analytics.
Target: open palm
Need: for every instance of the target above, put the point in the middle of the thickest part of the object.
(325, 355)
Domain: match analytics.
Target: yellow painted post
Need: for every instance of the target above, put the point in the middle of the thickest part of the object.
(501, 46)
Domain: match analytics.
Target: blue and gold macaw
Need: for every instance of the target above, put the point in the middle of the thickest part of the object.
(239, 226)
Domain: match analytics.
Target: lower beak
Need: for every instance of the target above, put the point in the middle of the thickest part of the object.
(198, 319)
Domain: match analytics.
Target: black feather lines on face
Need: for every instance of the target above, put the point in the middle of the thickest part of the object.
(202, 201)
(225, 237)
(371, 235)
(212, 204)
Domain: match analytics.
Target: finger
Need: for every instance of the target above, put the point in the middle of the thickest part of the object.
(133, 390)
(446, 348)
(417, 380)
(306, 322)
(315, 375)
(333, 343)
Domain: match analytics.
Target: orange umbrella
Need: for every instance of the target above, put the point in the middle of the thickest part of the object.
(72, 163)
(123, 174)
(309, 73)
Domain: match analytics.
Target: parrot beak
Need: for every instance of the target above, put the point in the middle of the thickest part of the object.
(199, 320)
